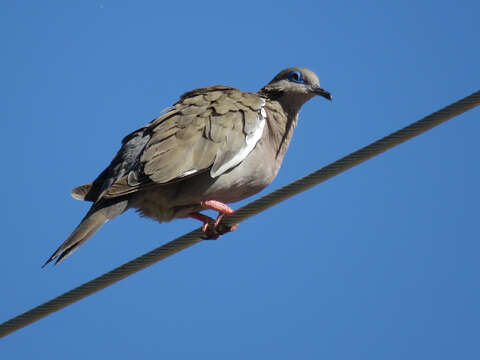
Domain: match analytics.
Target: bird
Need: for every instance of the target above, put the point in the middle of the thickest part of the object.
(216, 145)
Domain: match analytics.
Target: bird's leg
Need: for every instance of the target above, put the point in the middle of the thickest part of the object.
(222, 210)
(203, 218)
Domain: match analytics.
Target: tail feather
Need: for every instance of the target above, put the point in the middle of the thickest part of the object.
(81, 192)
(89, 226)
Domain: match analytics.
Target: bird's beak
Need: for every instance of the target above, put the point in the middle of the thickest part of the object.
(321, 92)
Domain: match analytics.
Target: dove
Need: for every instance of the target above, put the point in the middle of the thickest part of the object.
(214, 146)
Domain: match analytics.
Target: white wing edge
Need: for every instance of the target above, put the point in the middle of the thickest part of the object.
(251, 140)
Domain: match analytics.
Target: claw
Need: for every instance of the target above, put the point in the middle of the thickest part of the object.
(219, 219)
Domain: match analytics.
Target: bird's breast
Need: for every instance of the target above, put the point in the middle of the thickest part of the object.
(249, 177)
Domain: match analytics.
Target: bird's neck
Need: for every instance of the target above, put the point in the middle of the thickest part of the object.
(281, 122)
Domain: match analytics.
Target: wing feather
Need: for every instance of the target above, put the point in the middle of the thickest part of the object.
(212, 129)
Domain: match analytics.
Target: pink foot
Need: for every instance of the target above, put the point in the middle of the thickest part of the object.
(210, 226)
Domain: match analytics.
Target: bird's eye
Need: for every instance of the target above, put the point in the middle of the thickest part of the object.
(295, 76)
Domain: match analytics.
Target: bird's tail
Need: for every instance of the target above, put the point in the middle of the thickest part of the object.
(89, 226)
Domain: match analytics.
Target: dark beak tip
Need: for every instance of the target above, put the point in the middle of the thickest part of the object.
(324, 93)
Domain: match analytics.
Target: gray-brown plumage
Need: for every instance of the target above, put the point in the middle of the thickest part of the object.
(216, 143)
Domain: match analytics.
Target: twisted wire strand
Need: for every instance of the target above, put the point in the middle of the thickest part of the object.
(241, 214)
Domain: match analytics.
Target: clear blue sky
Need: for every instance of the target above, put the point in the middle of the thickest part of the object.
(380, 262)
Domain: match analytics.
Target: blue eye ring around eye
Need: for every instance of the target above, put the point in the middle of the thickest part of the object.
(295, 76)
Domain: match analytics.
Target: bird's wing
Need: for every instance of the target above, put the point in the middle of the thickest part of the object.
(210, 129)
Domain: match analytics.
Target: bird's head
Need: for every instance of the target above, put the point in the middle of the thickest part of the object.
(293, 87)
